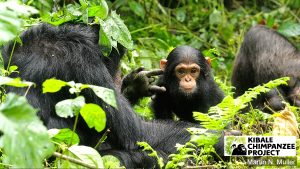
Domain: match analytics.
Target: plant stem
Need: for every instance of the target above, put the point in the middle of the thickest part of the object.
(74, 128)
(73, 160)
(10, 56)
(102, 139)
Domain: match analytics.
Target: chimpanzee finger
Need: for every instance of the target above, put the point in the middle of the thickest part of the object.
(154, 72)
(151, 79)
(138, 69)
(157, 89)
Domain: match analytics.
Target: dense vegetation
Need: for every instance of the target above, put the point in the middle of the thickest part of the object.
(149, 29)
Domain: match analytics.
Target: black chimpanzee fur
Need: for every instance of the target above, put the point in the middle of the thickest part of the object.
(71, 52)
(266, 55)
(175, 101)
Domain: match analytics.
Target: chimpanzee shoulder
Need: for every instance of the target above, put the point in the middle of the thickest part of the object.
(266, 55)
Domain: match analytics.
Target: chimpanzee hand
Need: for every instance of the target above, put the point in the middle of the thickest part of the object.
(139, 83)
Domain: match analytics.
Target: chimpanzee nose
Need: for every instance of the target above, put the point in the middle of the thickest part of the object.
(188, 79)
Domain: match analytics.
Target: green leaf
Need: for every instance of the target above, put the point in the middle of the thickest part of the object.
(151, 153)
(111, 161)
(181, 14)
(53, 85)
(104, 43)
(107, 95)
(215, 17)
(137, 9)
(87, 155)
(16, 82)
(63, 136)
(289, 29)
(10, 19)
(114, 26)
(94, 116)
(100, 11)
(13, 68)
(25, 139)
(69, 107)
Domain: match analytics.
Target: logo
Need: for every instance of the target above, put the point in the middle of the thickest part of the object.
(281, 146)
(239, 150)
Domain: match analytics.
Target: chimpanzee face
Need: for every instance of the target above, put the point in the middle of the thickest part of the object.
(241, 147)
(187, 74)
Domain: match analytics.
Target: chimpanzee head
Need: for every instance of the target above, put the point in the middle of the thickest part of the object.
(185, 69)
(239, 150)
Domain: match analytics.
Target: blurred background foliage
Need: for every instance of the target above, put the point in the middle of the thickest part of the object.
(214, 27)
(157, 26)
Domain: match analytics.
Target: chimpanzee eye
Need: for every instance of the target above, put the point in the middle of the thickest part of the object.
(194, 70)
(181, 71)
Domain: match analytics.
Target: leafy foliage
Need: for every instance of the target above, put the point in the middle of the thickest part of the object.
(153, 153)
(94, 116)
(63, 136)
(155, 30)
(11, 22)
(222, 115)
(25, 140)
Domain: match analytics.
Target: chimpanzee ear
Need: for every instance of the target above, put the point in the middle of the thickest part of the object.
(208, 60)
(163, 64)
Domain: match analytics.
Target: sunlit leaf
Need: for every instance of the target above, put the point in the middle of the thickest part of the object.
(69, 107)
(63, 136)
(16, 82)
(94, 116)
(114, 26)
(100, 10)
(53, 85)
(107, 95)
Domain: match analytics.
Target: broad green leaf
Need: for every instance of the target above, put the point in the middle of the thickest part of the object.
(111, 161)
(16, 82)
(63, 136)
(69, 107)
(100, 11)
(105, 43)
(25, 140)
(53, 85)
(88, 155)
(137, 8)
(10, 19)
(215, 17)
(94, 116)
(85, 154)
(107, 95)
(13, 68)
(114, 26)
(289, 29)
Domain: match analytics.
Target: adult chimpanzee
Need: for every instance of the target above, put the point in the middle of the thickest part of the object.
(71, 52)
(189, 85)
(266, 55)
